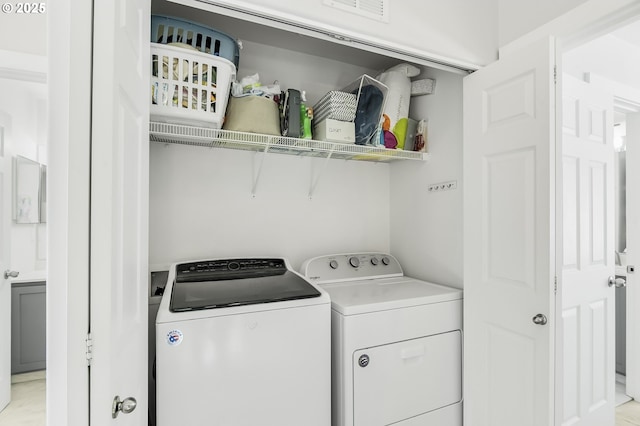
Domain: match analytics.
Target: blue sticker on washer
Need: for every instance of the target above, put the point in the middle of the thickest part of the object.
(174, 337)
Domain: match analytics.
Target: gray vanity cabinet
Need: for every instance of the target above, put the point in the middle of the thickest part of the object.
(28, 327)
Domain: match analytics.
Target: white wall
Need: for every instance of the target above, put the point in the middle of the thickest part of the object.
(24, 32)
(573, 22)
(313, 74)
(518, 17)
(609, 57)
(426, 228)
(201, 206)
(200, 199)
(462, 31)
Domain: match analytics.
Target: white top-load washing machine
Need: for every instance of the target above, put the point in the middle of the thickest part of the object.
(242, 342)
(397, 343)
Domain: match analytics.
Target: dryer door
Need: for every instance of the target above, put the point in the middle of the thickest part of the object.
(401, 380)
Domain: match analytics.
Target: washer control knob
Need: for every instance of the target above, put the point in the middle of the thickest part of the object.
(354, 261)
(374, 261)
(385, 261)
(333, 264)
(363, 361)
(233, 266)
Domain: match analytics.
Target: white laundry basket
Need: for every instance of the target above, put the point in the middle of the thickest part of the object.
(189, 87)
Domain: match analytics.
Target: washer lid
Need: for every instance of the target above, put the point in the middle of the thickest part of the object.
(359, 297)
(236, 282)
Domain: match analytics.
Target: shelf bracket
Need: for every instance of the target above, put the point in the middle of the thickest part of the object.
(256, 177)
(314, 182)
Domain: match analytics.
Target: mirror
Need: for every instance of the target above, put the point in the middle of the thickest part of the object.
(27, 186)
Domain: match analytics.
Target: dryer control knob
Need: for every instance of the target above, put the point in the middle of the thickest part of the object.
(354, 261)
(374, 261)
(333, 264)
(385, 261)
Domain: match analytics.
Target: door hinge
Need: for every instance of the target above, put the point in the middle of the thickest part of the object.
(555, 74)
(89, 353)
(555, 285)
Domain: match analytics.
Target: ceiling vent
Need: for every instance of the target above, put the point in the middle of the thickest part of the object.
(374, 9)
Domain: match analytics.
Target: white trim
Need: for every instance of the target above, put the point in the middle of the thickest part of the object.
(69, 44)
(18, 74)
(587, 21)
(559, 246)
(23, 66)
(626, 97)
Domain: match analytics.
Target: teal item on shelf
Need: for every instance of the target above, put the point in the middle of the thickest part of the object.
(167, 29)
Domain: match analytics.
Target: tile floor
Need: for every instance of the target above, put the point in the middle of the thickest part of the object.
(28, 405)
(628, 414)
(627, 411)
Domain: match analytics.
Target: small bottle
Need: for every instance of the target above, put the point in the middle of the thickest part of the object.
(306, 115)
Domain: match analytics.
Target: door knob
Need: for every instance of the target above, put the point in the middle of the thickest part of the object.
(10, 274)
(539, 319)
(126, 406)
(617, 281)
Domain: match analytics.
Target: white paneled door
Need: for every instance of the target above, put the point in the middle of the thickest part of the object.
(5, 253)
(119, 212)
(588, 302)
(509, 211)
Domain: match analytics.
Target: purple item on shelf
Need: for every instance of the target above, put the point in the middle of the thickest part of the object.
(390, 140)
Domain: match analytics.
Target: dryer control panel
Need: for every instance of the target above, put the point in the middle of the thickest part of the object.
(351, 266)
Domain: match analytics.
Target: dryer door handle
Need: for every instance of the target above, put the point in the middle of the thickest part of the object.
(412, 352)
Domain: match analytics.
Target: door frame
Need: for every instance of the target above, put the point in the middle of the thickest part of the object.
(6, 186)
(633, 301)
(580, 25)
(69, 34)
(590, 29)
(22, 67)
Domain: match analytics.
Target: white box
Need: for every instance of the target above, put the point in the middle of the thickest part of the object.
(331, 130)
(423, 87)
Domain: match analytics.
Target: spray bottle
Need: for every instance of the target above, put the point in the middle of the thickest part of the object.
(306, 115)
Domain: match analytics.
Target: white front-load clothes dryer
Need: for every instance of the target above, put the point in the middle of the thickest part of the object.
(396, 343)
(242, 342)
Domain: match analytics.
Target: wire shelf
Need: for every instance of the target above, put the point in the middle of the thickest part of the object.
(218, 138)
